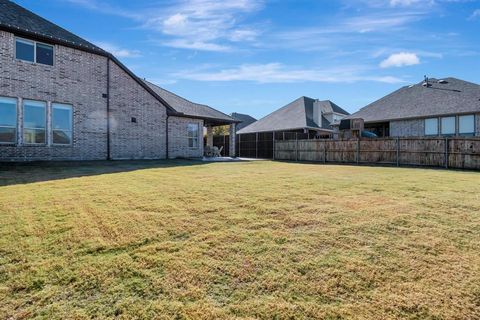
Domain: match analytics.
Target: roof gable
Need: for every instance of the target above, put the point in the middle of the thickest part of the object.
(416, 101)
(189, 108)
(295, 115)
(245, 119)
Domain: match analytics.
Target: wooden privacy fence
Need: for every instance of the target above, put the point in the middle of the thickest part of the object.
(461, 153)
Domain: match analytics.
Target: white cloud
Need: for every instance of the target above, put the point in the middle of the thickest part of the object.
(195, 45)
(475, 14)
(279, 73)
(205, 24)
(406, 3)
(400, 59)
(210, 25)
(117, 51)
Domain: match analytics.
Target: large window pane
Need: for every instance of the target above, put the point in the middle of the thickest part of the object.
(448, 125)
(34, 136)
(431, 127)
(62, 118)
(44, 54)
(192, 131)
(7, 135)
(34, 121)
(8, 120)
(25, 50)
(466, 124)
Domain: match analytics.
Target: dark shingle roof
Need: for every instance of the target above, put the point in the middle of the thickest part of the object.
(295, 115)
(19, 20)
(453, 96)
(245, 119)
(188, 108)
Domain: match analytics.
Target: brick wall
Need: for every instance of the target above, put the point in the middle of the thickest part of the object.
(145, 139)
(77, 78)
(178, 138)
(477, 125)
(407, 128)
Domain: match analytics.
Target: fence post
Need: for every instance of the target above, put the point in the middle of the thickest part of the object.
(324, 151)
(358, 150)
(239, 145)
(296, 146)
(398, 151)
(256, 145)
(224, 145)
(446, 153)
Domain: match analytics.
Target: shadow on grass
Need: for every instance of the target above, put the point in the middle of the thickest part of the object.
(24, 173)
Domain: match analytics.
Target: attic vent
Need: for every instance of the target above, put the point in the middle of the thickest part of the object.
(442, 81)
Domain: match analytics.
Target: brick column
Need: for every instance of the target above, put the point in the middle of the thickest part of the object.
(233, 139)
(210, 136)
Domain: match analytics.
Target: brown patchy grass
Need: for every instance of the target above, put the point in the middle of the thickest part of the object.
(263, 240)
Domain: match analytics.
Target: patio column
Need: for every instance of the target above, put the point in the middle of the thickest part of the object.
(210, 136)
(233, 139)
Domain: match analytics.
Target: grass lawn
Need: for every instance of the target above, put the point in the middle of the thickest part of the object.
(268, 240)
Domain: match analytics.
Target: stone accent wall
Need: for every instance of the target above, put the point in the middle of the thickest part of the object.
(178, 138)
(145, 139)
(407, 128)
(477, 125)
(77, 78)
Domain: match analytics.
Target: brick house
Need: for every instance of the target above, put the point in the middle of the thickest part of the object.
(63, 98)
(433, 107)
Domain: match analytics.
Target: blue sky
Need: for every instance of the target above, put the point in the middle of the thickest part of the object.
(254, 56)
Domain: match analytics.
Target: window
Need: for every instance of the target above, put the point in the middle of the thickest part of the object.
(25, 50)
(62, 118)
(192, 131)
(32, 51)
(34, 122)
(8, 120)
(431, 127)
(44, 54)
(448, 126)
(466, 125)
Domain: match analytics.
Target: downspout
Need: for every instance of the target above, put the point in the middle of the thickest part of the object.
(108, 110)
(166, 135)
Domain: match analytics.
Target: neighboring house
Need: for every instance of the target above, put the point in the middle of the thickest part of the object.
(304, 115)
(63, 98)
(245, 120)
(445, 107)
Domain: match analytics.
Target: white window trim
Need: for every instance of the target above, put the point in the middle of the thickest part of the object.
(34, 51)
(71, 123)
(28, 128)
(16, 122)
